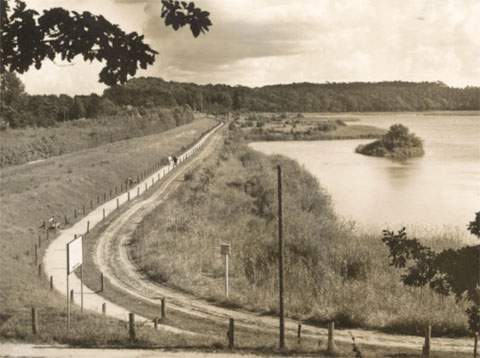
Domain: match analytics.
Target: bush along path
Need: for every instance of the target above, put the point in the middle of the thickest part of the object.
(113, 260)
(55, 261)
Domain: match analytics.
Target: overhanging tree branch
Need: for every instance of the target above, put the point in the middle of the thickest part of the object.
(28, 38)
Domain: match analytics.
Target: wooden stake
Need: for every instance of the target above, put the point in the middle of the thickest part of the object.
(128, 196)
(39, 270)
(331, 340)
(104, 308)
(299, 333)
(231, 334)
(118, 203)
(155, 323)
(71, 297)
(163, 310)
(426, 345)
(131, 326)
(36, 255)
(51, 283)
(34, 321)
(88, 226)
(280, 260)
(103, 213)
(475, 345)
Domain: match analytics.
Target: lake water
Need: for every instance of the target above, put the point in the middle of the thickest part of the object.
(440, 191)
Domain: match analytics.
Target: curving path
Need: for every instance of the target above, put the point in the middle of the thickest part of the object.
(54, 261)
(112, 259)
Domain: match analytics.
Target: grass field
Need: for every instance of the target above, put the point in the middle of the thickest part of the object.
(32, 193)
(23, 145)
(332, 271)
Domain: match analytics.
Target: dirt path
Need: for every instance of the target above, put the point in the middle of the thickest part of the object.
(112, 259)
(54, 261)
(14, 350)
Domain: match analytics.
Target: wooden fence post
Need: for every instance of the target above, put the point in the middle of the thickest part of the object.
(34, 321)
(104, 308)
(299, 333)
(131, 326)
(74, 213)
(65, 218)
(426, 345)
(103, 213)
(155, 323)
(475, 345)
(83, 210)
(118, 203)
(71, 297)
(39, 270)
(51, 283)
(331, 340)
(101, 282)
(36, 255)
(88, 226)
(163, 309)
(231, 334)
(138, 191)
(129, 196)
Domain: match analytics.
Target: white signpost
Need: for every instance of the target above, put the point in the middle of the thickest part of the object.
(74, 261)
(225, 251)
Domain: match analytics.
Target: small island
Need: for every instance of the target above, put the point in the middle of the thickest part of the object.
(397, 143)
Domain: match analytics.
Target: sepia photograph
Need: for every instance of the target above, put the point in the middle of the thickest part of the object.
(239, 178)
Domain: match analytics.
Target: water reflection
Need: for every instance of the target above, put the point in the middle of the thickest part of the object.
(441, 188)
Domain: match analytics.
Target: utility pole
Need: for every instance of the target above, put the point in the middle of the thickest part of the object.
(280, 259)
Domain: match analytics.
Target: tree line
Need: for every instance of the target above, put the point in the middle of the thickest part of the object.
(19, 109)
(299, 97)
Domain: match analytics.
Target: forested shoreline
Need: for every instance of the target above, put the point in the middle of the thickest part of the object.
(19, 109)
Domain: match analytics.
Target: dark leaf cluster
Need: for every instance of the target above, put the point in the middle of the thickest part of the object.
(28, 38)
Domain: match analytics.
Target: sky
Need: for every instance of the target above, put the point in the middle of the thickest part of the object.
(260, 42)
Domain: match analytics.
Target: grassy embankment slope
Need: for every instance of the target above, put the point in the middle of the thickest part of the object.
(332, 271)
(283, 127)
(23, 145)
(30, 194)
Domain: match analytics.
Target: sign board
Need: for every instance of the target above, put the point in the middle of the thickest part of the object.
(225, 249)
(74, 254)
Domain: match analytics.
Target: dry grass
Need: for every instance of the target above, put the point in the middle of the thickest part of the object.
(30, 194)
(23, 145)
(332, 271)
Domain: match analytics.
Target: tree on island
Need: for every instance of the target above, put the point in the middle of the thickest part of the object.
(397, 143)
(28, 38)
(449, 272)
